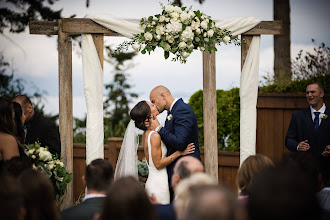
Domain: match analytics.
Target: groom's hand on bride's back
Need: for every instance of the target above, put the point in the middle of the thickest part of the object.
(152, 198)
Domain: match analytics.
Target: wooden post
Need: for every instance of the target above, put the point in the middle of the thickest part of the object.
(210, 114)
(65, 107)
(246, 42)
(99, 45)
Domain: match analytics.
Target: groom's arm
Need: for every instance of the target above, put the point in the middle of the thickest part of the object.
(183, 124)
(291, 141)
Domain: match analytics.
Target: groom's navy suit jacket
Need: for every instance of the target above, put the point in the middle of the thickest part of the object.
(178, 132)
(302, 128)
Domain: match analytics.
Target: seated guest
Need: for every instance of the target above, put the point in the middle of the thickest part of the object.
(324, 194)
(184, 168)
(246, 173)
(9, 143)
(98, 177)
(183, 191)
(11, 199)
(283, 193)
(38, 127)
(126, 199)
(16, 165)
(211, 202)
(39, 196)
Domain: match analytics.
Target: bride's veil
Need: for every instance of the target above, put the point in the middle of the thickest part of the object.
(127, 160)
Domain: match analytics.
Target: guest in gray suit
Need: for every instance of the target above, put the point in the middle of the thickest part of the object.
(98, 177)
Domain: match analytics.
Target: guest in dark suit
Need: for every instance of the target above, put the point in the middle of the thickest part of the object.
(98, 177)
(180, 126)
(39, 128)
(184, 168)
(309, 129)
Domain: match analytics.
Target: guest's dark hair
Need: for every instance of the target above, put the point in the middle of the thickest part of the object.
(11, 198)
(126, 199)
(183, 170)
(140, 113)
(16, 165)
(18, 122)
(7, 124)
(283, 193)
(99, 175)
(38, 196)
(320, 85)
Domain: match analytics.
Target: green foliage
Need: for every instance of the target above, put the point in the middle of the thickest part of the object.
(306, 67)
(143, 167)
(228, 110)
(17, 16)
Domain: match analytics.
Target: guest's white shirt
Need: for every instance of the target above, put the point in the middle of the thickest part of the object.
(90, 196)
(321, 110)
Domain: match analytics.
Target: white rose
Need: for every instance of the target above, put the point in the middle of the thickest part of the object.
(210, 33)
(195, 25)
(226, 39)
(162, 18)
(184, 17)
(169, 8)
(170, 39)
(51, 166)
(204, 25)
(175, 15)
(136, 47)
(167, 19)
(45, 155)
(205, 34)
(182, 45)
(185, 54)
(148, 36)
(33, 157)
(31, 151)
(173, 27)
(158, 37)
(191, 14)
(153, 22)
(197, 19)
(177, 9)
(187, 34)
(160, 30)
(198, 31)
(202, 49)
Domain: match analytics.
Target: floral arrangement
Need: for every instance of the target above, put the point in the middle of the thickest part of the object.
(50, 165)
(179, 31)
(324, 116)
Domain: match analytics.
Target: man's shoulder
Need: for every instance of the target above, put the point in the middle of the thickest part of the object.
(301, 112)
(40, 119)
(91, 206)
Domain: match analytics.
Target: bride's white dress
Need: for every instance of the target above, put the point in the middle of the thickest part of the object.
(157, 182)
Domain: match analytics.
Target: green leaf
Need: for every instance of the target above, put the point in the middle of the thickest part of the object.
(197, 39)
(143, 51)
(150, 18)
(166, 54)
(206, 39)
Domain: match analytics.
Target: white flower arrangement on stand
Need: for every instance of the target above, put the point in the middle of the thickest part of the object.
(179, 31)
(51, 166)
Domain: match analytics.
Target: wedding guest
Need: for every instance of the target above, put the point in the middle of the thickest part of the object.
(39, 198)
(16, 165)
(283, 193)
(126, 199)
(211, 202)
(246, 173)
(38, 127)
(19, 124)
(183, 193)
(309, 128)
(184, 168)
(9, 144)
(11, 199)
(180, 128)
(98, 177)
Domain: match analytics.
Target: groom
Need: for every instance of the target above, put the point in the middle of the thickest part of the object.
(180, 126)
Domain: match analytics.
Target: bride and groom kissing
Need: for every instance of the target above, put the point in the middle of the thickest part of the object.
(162, 145)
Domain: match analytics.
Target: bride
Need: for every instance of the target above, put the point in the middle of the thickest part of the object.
(154, 150)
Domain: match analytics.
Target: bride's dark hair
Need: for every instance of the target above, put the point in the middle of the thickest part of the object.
(140, 113)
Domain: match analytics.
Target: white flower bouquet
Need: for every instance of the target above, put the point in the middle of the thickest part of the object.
(50, 165)
(179, 31)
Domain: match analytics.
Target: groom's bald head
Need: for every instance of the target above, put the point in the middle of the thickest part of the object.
(161, 97)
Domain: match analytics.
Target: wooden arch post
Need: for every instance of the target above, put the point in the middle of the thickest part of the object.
(66, 27)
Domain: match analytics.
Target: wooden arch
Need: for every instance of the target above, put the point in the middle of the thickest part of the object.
(67, 27)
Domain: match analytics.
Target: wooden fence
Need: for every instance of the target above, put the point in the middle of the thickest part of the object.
(273, 117)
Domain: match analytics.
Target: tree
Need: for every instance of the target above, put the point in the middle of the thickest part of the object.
(282, 54)
(119, 96)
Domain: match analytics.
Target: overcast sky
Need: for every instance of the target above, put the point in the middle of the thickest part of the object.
(36, 59)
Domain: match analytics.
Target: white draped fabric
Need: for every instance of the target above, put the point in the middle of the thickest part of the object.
(93, 82)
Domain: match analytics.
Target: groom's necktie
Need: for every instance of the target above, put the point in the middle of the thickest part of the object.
(316, 121)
